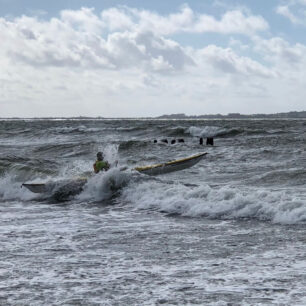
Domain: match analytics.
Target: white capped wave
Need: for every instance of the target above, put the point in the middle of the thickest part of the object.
(221, 203)
(110, 153)
(80, 128)
(75, 167)
(104, 185)
(207, 131)
(10, 189)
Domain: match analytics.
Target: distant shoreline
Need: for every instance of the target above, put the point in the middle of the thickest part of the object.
(231, 116)
(287, 115)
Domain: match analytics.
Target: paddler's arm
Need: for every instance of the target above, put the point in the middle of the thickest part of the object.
(107, 166)
(96, 170)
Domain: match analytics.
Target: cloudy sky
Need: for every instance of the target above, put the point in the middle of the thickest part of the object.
(147, 58)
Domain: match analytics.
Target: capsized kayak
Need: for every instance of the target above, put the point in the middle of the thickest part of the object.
(36, 188)
(175, 165)
(70, 187)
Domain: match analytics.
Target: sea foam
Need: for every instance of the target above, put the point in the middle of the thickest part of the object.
(104, 185)
(11, 189)
(218, 203)
(207, 131)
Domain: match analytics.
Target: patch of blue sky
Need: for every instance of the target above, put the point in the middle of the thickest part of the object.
(19, 7)
(52, 8)
(293, 33)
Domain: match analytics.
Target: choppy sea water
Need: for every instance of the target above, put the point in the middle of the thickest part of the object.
(229, 231)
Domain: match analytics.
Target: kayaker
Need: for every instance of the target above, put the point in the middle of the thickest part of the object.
(100, 164)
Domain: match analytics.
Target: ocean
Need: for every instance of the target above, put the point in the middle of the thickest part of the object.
(230, 230)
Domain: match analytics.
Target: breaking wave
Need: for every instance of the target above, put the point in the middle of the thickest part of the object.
(104, 185)
(75, 129)
(218, 203)
(178, 131)
(213, 131)
(10, 189)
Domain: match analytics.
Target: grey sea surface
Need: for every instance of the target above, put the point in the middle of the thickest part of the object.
(230, 230)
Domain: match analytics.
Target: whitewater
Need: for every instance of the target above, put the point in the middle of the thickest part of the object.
(230, 230)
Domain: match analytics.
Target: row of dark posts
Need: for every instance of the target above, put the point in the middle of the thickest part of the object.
(173, 141)
(209, 141)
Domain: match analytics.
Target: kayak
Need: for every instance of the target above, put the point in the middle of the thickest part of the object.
(175, 165)
(68, 187)
(64, 188)
(36, 188)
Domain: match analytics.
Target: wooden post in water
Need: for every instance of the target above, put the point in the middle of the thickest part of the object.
(210, 141)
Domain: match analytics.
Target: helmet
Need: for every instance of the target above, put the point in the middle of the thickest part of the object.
(99, 155)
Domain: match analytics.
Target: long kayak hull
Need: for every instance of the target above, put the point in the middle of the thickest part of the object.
(63, 186)
(176, 165)
(36, 188)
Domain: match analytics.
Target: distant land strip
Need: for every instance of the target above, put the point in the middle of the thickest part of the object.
(288, 115)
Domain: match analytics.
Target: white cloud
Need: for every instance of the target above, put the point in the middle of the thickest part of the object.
(232, 22)
(294, 11)
(84, 20)
(227, 61)
(238, 44)
(71, 41)
(185, 21)
(116, 20)
(126, 62)
(136, 37)
(281, 53)
(284, 10)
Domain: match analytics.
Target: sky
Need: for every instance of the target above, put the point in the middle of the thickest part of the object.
(138, 58)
